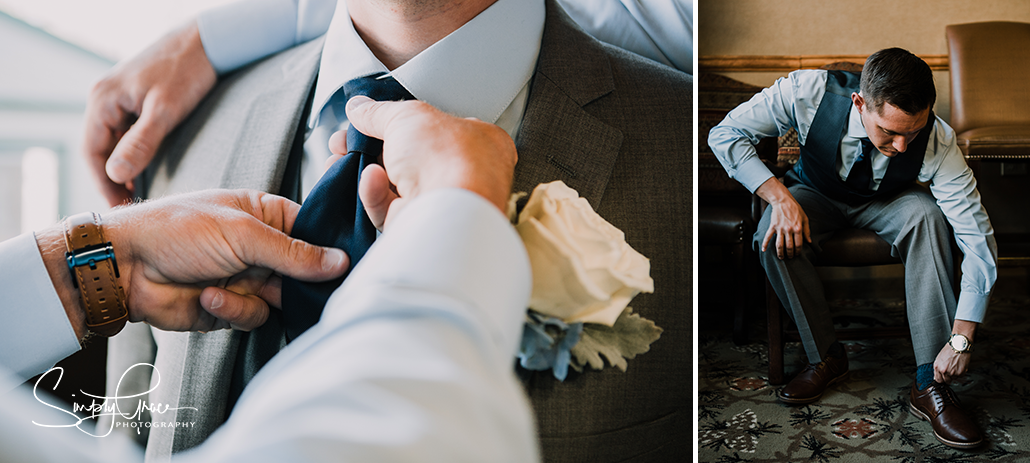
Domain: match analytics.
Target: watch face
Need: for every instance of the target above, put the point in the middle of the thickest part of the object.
(960, 343)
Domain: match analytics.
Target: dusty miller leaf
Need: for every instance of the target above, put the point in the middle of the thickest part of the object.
(631, 335)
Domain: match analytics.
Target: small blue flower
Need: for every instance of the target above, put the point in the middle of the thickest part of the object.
(547, 343)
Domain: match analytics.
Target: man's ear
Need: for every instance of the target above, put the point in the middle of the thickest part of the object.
(858, 101)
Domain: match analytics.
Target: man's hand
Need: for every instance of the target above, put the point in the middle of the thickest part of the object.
(133, 108)
(202, 261)
(788, 222)
(950, 365)
(426, 149)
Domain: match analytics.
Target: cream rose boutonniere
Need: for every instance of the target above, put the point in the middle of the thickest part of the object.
(583, 269)
(584, 277)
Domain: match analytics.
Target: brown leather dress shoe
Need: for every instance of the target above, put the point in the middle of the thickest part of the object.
(809, 385)
(938, 404)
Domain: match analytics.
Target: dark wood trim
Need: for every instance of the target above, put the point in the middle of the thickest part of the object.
(787, 63)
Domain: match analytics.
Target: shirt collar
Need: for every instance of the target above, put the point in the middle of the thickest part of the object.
(476, 71)
(855, 127)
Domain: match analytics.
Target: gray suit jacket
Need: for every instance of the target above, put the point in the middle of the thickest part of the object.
(612, 125)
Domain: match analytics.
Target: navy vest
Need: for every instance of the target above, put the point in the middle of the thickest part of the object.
(817, 165)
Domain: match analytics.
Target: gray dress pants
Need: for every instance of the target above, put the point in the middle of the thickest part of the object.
(918, 233)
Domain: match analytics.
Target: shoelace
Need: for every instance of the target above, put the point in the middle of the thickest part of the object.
(818, 367)
(944, 395)
(823, 365)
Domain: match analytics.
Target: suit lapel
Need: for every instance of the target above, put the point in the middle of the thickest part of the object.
(558, 139)
(272, 122)
(239, 137)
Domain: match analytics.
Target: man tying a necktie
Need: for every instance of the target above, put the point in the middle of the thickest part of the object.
(866, 139)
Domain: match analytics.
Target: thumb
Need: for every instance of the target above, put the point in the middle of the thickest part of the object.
(137, 147)
(375, 193)
(373, 118)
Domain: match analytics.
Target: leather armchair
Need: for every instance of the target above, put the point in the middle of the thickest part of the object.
(725, 208)
(990, 107)
(989, 66)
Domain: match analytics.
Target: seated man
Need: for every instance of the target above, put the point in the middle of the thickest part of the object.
(865, 142)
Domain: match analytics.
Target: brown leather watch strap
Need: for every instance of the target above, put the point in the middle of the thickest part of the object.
(95, 272)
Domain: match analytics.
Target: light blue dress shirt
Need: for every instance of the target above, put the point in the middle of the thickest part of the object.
(661, 30)
(410, 361)
(792, 103)
(34, 318)
(481, 70)
(241, 32)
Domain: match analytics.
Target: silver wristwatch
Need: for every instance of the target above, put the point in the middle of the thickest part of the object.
(960, 344)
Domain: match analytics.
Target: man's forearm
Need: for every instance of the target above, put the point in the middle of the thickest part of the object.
(773, 192)
(965, 328)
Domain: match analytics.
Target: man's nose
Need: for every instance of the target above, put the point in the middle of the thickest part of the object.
(900, 144)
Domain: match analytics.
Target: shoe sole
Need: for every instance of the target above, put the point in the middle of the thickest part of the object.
(808, 400)
(958, 445)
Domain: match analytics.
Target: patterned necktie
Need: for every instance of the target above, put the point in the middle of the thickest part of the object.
(861, 176)
(332, 215)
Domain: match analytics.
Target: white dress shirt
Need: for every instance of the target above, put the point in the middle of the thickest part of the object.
(410, 362)
(792, 103)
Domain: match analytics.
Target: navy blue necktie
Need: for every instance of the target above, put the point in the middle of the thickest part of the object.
(861, 176)
(332, 215)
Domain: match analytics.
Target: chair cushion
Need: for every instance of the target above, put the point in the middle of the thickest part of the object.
(996, 140)
(722, 225)
(853, 247)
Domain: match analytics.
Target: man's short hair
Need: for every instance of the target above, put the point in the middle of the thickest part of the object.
(895, 76)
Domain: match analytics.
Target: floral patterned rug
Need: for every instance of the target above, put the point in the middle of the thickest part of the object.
(865, 418)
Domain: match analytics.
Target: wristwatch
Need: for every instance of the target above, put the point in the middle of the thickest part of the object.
(94, 270)
(960, 344)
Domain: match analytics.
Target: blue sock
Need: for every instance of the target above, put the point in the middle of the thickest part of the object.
(836, 350)
(924, 375)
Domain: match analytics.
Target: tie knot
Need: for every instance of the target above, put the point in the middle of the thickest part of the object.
(867, 148)
(379, 87)
(867, 145)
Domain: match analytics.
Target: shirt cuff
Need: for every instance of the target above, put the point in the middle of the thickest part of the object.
(752, 174)
(36, 332)
(972, 306)
(241, 32)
